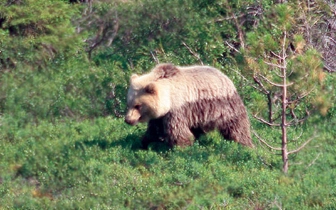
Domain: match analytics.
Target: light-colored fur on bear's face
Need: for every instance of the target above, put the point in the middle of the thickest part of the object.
(146, 99)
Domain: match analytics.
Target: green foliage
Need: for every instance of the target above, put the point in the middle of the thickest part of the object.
(34, 32)
(288, 74)
(98, 164)
(58, 152)
(40, 63)
(303, 64)
(149, 31)
(72, 89)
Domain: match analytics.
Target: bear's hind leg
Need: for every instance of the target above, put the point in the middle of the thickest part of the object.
(226, 134)
(237, 131)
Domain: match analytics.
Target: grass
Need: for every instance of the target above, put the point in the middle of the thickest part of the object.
(98, 164)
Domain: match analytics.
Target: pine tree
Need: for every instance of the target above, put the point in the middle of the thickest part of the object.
(288, 73)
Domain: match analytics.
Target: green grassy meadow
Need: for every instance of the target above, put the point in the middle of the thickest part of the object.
(97, 164)
(64, 72)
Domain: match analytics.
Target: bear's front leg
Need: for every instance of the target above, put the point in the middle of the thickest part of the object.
(178, 132)
(154, 132)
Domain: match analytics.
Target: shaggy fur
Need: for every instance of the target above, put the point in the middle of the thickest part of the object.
(182, 103)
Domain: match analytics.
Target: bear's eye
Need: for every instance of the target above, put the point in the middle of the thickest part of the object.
(137, 107)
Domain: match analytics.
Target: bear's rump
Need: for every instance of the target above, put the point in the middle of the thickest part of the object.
(224, 114)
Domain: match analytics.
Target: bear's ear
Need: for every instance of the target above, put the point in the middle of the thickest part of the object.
(165, 70)
(134, 76)
(151, 89)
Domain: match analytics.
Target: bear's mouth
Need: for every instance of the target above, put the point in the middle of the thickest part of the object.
(134, 122)
(141, 119)
(131, 122)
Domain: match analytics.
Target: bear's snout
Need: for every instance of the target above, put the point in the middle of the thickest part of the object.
(129, 121)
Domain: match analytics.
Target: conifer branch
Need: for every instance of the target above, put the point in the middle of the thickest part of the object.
(264, 142)
(301, 97)
(290, 73)
(302, 146)
(297, 121)
(328, 68)
(232, 47)
(193, 53)
(275, 84)
(298, 137)
(264, 121)
(244, 78)
(237, 16)
(313, 162)
(275, 65)
(276, 55)
(238, 26)
(281, 76)
(156, 59)
(264, 90)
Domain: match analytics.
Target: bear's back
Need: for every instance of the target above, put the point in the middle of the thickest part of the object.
(196, 83)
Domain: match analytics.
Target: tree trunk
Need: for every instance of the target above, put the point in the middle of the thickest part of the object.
(270, 115)
(284, 128)
(284, 106)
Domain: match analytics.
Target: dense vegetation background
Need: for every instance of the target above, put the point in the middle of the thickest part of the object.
(64, 69)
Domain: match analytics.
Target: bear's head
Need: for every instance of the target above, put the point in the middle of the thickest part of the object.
(148, 97)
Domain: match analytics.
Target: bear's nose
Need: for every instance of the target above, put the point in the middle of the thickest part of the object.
(128, 121)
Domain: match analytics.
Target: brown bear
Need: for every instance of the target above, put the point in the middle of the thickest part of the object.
(181, 103)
